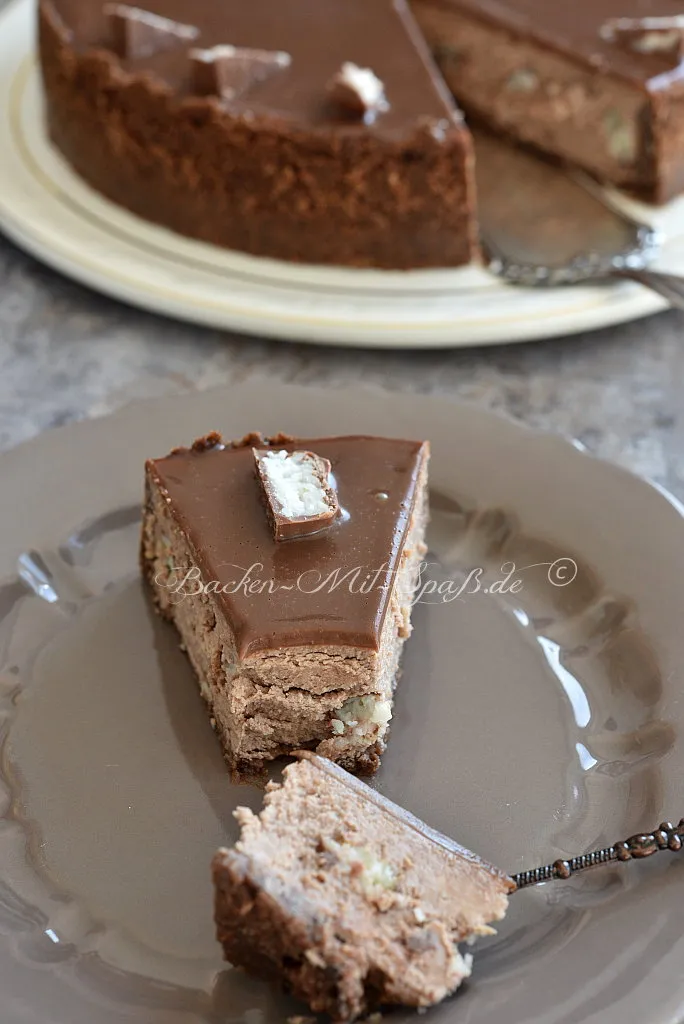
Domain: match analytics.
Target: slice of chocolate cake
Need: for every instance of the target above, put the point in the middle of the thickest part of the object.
(595, 83)
(347, 899)
(291, 592)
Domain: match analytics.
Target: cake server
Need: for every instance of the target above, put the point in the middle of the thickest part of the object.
(666, 837)
(543, 226)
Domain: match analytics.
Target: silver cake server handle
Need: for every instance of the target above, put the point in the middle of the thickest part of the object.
(644, 844)
(633, 265)
(545, 226)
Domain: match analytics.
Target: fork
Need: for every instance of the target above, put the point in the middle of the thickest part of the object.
(666, 837)
(543, 226)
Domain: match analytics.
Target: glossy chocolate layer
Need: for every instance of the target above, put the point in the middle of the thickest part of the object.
(320, 35)
(575, 29)
(214, 497)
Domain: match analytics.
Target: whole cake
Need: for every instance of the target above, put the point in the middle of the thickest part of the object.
(289, 567)
(325, 131)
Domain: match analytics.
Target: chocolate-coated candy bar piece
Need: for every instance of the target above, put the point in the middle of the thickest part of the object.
(650, 36)
(136, 33)
(297, 492)
(357, 91)
(229, 71)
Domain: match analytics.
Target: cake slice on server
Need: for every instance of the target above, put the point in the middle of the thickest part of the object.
(289, 568)
(347, 899)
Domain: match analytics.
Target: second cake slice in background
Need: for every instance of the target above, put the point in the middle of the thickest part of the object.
(296, 643)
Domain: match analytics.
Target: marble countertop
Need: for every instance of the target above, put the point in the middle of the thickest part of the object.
(67, 353)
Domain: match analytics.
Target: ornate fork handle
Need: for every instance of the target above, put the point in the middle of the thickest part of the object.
(666, 837)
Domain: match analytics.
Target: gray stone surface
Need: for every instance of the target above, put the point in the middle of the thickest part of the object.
(67, 353)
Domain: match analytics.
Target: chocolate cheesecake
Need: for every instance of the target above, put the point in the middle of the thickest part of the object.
(322, 130)
(310, 130)
(295, 633)
(347, 899)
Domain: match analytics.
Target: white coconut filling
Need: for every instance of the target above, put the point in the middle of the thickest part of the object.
(297, 488)
(657, 42)
(365, 83)
(646, 35)
(221, 52)
(358, 713)
(226, 52)
(463, 963)
(373, 872)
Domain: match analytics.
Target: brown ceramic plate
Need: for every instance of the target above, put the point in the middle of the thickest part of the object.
(528, 725)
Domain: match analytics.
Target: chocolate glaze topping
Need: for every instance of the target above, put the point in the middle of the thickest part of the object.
(575, 30)
(320, 35)
(216, 500)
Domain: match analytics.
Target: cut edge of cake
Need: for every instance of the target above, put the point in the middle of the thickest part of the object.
(348, 900)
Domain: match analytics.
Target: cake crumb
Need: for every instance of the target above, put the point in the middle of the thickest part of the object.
(315, 958)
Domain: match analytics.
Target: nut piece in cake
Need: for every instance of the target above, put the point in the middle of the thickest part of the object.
(230, 71)
(347, 899)
(357, 91)
(136, 33)
(296, 643)
(299, 497)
